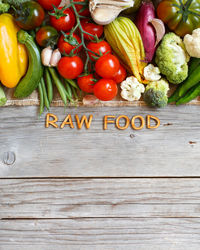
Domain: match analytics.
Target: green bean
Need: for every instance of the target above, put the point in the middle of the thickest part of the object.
(49, 85)
(72, 83)
(68, 88)
(191, 94)
(194, 63)
(46, 101)
(41, 98)
(59, 85)
(74, 93)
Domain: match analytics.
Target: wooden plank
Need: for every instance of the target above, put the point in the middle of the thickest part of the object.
(171, 150)
(75, 198)
(111, 234)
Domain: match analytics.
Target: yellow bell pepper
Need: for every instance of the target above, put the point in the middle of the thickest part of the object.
(13, 55)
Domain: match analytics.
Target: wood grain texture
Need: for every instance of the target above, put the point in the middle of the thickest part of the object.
(171, 150)
(95, 198)
(101, 234)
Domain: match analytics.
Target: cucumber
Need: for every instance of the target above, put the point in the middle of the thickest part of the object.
(35, 70)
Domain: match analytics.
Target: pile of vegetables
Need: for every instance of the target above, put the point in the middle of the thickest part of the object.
(82, 47)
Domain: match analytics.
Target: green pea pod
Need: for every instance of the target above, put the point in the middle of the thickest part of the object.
(194, 63)
(191, 81)
(191, 95)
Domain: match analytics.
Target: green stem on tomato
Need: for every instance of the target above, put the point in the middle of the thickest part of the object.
(78, 25)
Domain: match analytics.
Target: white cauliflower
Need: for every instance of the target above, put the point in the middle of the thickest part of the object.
(152, 73)
(192, 43)
(131, 89)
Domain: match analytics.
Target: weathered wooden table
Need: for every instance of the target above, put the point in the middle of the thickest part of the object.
(100, 189)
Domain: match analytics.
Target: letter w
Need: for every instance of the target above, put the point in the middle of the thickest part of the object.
(84, 120)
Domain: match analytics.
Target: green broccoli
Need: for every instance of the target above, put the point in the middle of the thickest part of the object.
(172, 58)
(155, 93)
(4, 7)
(14, 2)
(6, 4)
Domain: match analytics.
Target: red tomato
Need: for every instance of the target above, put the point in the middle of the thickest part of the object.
(101, 47)
(86, 83)
(120, 76)
(62, 19)
(91, 28)
(85, 11)
(105, 89)
(46, 35)
(48, 4)
(66, 44)
(70, 67)
(107, 66)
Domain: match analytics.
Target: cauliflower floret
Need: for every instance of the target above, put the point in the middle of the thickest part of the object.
(132, 89)
(172, 58)
(152, 73)
(192, 43)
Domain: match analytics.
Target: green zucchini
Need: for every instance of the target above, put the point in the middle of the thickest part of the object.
(35, 70)
(3, 98)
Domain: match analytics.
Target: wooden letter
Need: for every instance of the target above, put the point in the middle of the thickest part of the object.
(67, 121)
(53, 122)
(106, 121)
(149, 117)
(126, 120)
(141, 120)
(83, 120)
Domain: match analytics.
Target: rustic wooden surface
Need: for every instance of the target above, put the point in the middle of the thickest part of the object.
(96, 189)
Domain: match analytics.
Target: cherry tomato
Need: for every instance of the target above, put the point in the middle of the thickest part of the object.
(48, 4)
(82, 9)
(105, 89)
(67, 43)
(107, 66)
(70, 67)
(29, 15)
(86, 83)
(120, 76)
(62, 19)
(46, 35)
(100, 48)
(91, 28)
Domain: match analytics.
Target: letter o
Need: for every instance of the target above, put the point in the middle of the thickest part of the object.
(141, 120)
(126, 120)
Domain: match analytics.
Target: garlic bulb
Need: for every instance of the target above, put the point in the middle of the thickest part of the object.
(55, 58)
(50, 57)
(105, 11)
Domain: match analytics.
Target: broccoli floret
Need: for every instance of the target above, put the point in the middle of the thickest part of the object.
(172, 58)
(14, 2)
(4, 7)
(155, 93)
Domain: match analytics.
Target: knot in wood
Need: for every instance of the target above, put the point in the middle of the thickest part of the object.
(9, 158)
